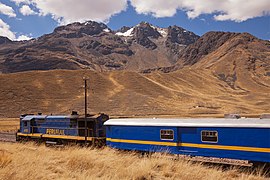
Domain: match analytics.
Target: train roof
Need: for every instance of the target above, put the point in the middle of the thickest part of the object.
(30, 117)
(191, 122)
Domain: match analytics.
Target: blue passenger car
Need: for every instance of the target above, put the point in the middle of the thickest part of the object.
(61, 128)
(244, 139)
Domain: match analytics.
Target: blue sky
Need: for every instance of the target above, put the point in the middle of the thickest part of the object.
(23, 19)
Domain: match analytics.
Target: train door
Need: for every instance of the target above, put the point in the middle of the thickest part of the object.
(186, 135)
(32, 126)
(26, 127)
(179, 139)
(90, 127)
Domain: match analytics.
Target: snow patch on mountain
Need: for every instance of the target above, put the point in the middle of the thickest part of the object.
(128, 33)
(162, 31)
(106, 30)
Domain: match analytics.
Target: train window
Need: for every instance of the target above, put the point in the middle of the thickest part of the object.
(73, 123)
(40, 121)
(166, 134)
(24, 123)
(209, 136)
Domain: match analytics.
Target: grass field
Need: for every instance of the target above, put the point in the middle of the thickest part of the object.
(9, 124)
(29, 161)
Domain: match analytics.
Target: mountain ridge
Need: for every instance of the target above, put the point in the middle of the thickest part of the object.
(93, 45)
(142, 48)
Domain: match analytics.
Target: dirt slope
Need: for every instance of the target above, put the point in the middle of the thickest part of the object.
(187, 92)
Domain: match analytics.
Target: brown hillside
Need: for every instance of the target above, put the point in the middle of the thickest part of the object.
(243, 62)
(187, 92)
(226, 54)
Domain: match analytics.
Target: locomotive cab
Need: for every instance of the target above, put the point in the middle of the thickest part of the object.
(25, 126)
(27, 122)
(94, 125)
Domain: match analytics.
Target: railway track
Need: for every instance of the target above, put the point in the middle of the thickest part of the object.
(7, 137)
(211, 160)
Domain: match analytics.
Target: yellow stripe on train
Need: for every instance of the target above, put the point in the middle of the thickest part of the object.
(208, 146)
(143, 142)
(55, 136)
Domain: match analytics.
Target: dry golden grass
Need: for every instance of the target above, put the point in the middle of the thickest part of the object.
(9, 124)
(29, 161)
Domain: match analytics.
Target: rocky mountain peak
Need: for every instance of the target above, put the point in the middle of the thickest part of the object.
(76, 30)
(145, 30)
(206, 44)
(141, 34)
(123, 29)
(4, 40)
(181, 36)
(141, 30)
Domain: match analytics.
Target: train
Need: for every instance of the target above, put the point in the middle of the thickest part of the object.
(232, 137)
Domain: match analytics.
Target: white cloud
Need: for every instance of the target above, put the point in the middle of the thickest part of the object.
(5, 30)
(18, 2)
(7, 10)
(66, 11)
(235, 10)
(26, 10)
(23, 38)
(157, 8)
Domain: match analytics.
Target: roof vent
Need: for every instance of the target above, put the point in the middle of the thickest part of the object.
(265, 116)
(232, 116)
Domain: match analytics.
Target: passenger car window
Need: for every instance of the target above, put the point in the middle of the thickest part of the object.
(166, 134)
(209, 136)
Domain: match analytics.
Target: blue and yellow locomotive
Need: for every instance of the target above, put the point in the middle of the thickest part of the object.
(62, 129)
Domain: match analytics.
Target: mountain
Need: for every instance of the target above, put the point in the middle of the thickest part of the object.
(143, 48)
(135, 71)
(94, 46)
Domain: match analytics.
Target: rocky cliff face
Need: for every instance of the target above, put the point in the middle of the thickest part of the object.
(143, 35)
